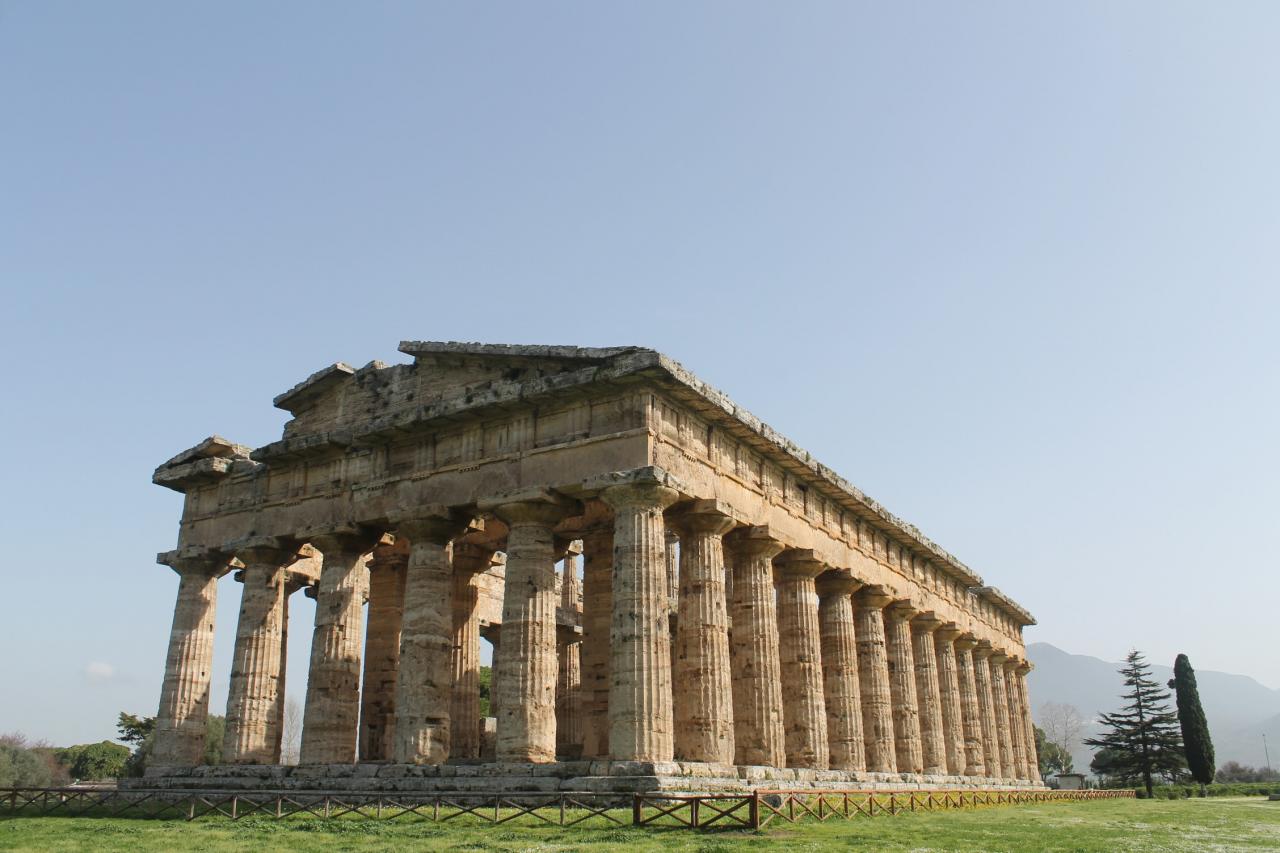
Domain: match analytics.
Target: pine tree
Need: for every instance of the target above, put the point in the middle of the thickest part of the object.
(1143, 737)
(1197, 744)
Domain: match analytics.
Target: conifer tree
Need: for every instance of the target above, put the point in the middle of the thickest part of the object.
(1143, 736)
(1197, 744)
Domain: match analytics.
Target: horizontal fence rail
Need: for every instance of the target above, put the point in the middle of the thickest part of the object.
(752, 810)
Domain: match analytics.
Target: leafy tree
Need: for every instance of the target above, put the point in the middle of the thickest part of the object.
(20, 766)
(486, 681)
(1053, 757)
(214, 729)
(138, 732)
(1143, 736)
(1197, 745)
(105, 760)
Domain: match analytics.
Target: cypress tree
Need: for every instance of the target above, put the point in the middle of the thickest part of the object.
(1196, 742)
(1143, 736)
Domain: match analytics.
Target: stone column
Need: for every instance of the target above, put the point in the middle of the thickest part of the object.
(1028, 728)
(252, 724)
(1000, 706)
(387, 568)
(423, 686)
(526, 663)
(840, 671)
(902, 687)
(873, 679)
(970, 708)
(1012, 704)
(184, 694)
(804, 713)
(703, 705)
(640, 724)
(469, 561)
(929, 694)
(759, 737)
(597, 617)
(332, 712)
(987, 710)
(949, 688)
(569, 650)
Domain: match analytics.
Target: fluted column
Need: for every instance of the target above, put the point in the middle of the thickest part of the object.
(640, 723)
(1011, 704)
(252, 724)
(184, 694)
(703, 704)
(902, 687)
(332, 710)
(840, 671)
(384, 619)
(1028, 728)
(569, 649)
(1000, 705)
(987, 710)
(804, 713)
(975, 750)
(526, 665)
(469, 561)
(759, 736)
(597, 618)
(949, 689)
(929, 694)
(873, 679)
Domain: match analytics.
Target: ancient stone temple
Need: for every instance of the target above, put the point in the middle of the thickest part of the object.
(677, 596)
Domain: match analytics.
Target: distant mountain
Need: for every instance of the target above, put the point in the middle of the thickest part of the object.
(1238, 708)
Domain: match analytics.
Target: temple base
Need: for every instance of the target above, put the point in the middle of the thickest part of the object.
(586, 776)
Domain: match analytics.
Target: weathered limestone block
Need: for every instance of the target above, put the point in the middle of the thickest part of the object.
(902, 687)
(184, 695)
(333, 684)
(387, 571)
(526, 664)
(949, 688)
(703, 703)
(1000, 706)
(597, 619)
(252, 724)
(469, 560)
(569, 650)
(975, 749)
(804, 714)
(873, 679)
(840, 671)
(1011, 704)
(987, 710)
(929, 694)
(423, 686)
(1028, 729)
(640, 716)
(759, 736)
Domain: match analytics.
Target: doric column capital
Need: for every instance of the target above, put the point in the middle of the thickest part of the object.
(701, 516)
(271, 551)
(196, 561)
(434, 523)
(947, 632)
(1025, 667)
(998, 658)
(837, 582)
(542, 507)
(797, 564)
(1011, 664)
(642, 495)
(472, 558)
(348, 539)
(873, 597)
(390, 556)
(753, 542)
(966, 642)
(926, 623)
(983, 650)
(901, 609)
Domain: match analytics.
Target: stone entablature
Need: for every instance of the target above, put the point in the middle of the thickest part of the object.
(477, 468)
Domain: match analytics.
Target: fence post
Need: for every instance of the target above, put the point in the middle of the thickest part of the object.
(753, 810)
(635, 810)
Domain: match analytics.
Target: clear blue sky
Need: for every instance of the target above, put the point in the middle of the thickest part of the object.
(1011, 268)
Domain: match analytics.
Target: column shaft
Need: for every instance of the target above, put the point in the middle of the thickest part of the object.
(929, 695)
(987, 711)
(1028, 728)
(252, 723)
(569, 681)
(332, 711)
(902, 689)
(804, 714)
(703, 706)
(949, 688)
(759, 736)
(873, 680)
(840, 673)
(1011, 705)
(184, 694)
(640, 717)
(597, 617)
(975, 749)
(469, 562)
(382, 654)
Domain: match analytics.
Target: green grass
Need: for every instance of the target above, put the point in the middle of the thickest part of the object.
(1110, 825)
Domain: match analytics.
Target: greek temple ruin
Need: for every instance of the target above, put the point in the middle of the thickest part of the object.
(677, 597)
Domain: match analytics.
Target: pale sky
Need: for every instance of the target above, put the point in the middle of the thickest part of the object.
(1010, 268)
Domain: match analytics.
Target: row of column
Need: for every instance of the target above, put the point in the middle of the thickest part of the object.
(870, 683)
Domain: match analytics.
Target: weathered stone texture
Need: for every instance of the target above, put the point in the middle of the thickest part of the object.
(469, 561)
(804, 713)
(840, 671)
(387, 571)
(757, 678)
(902, 688)
(949, 689)
(929, 693)
(597, 619)
(873, 680)
(252, 733)
(569, 649)
(987, 711)
(970, 708)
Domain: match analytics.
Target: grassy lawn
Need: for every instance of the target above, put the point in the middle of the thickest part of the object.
(1112, 825)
